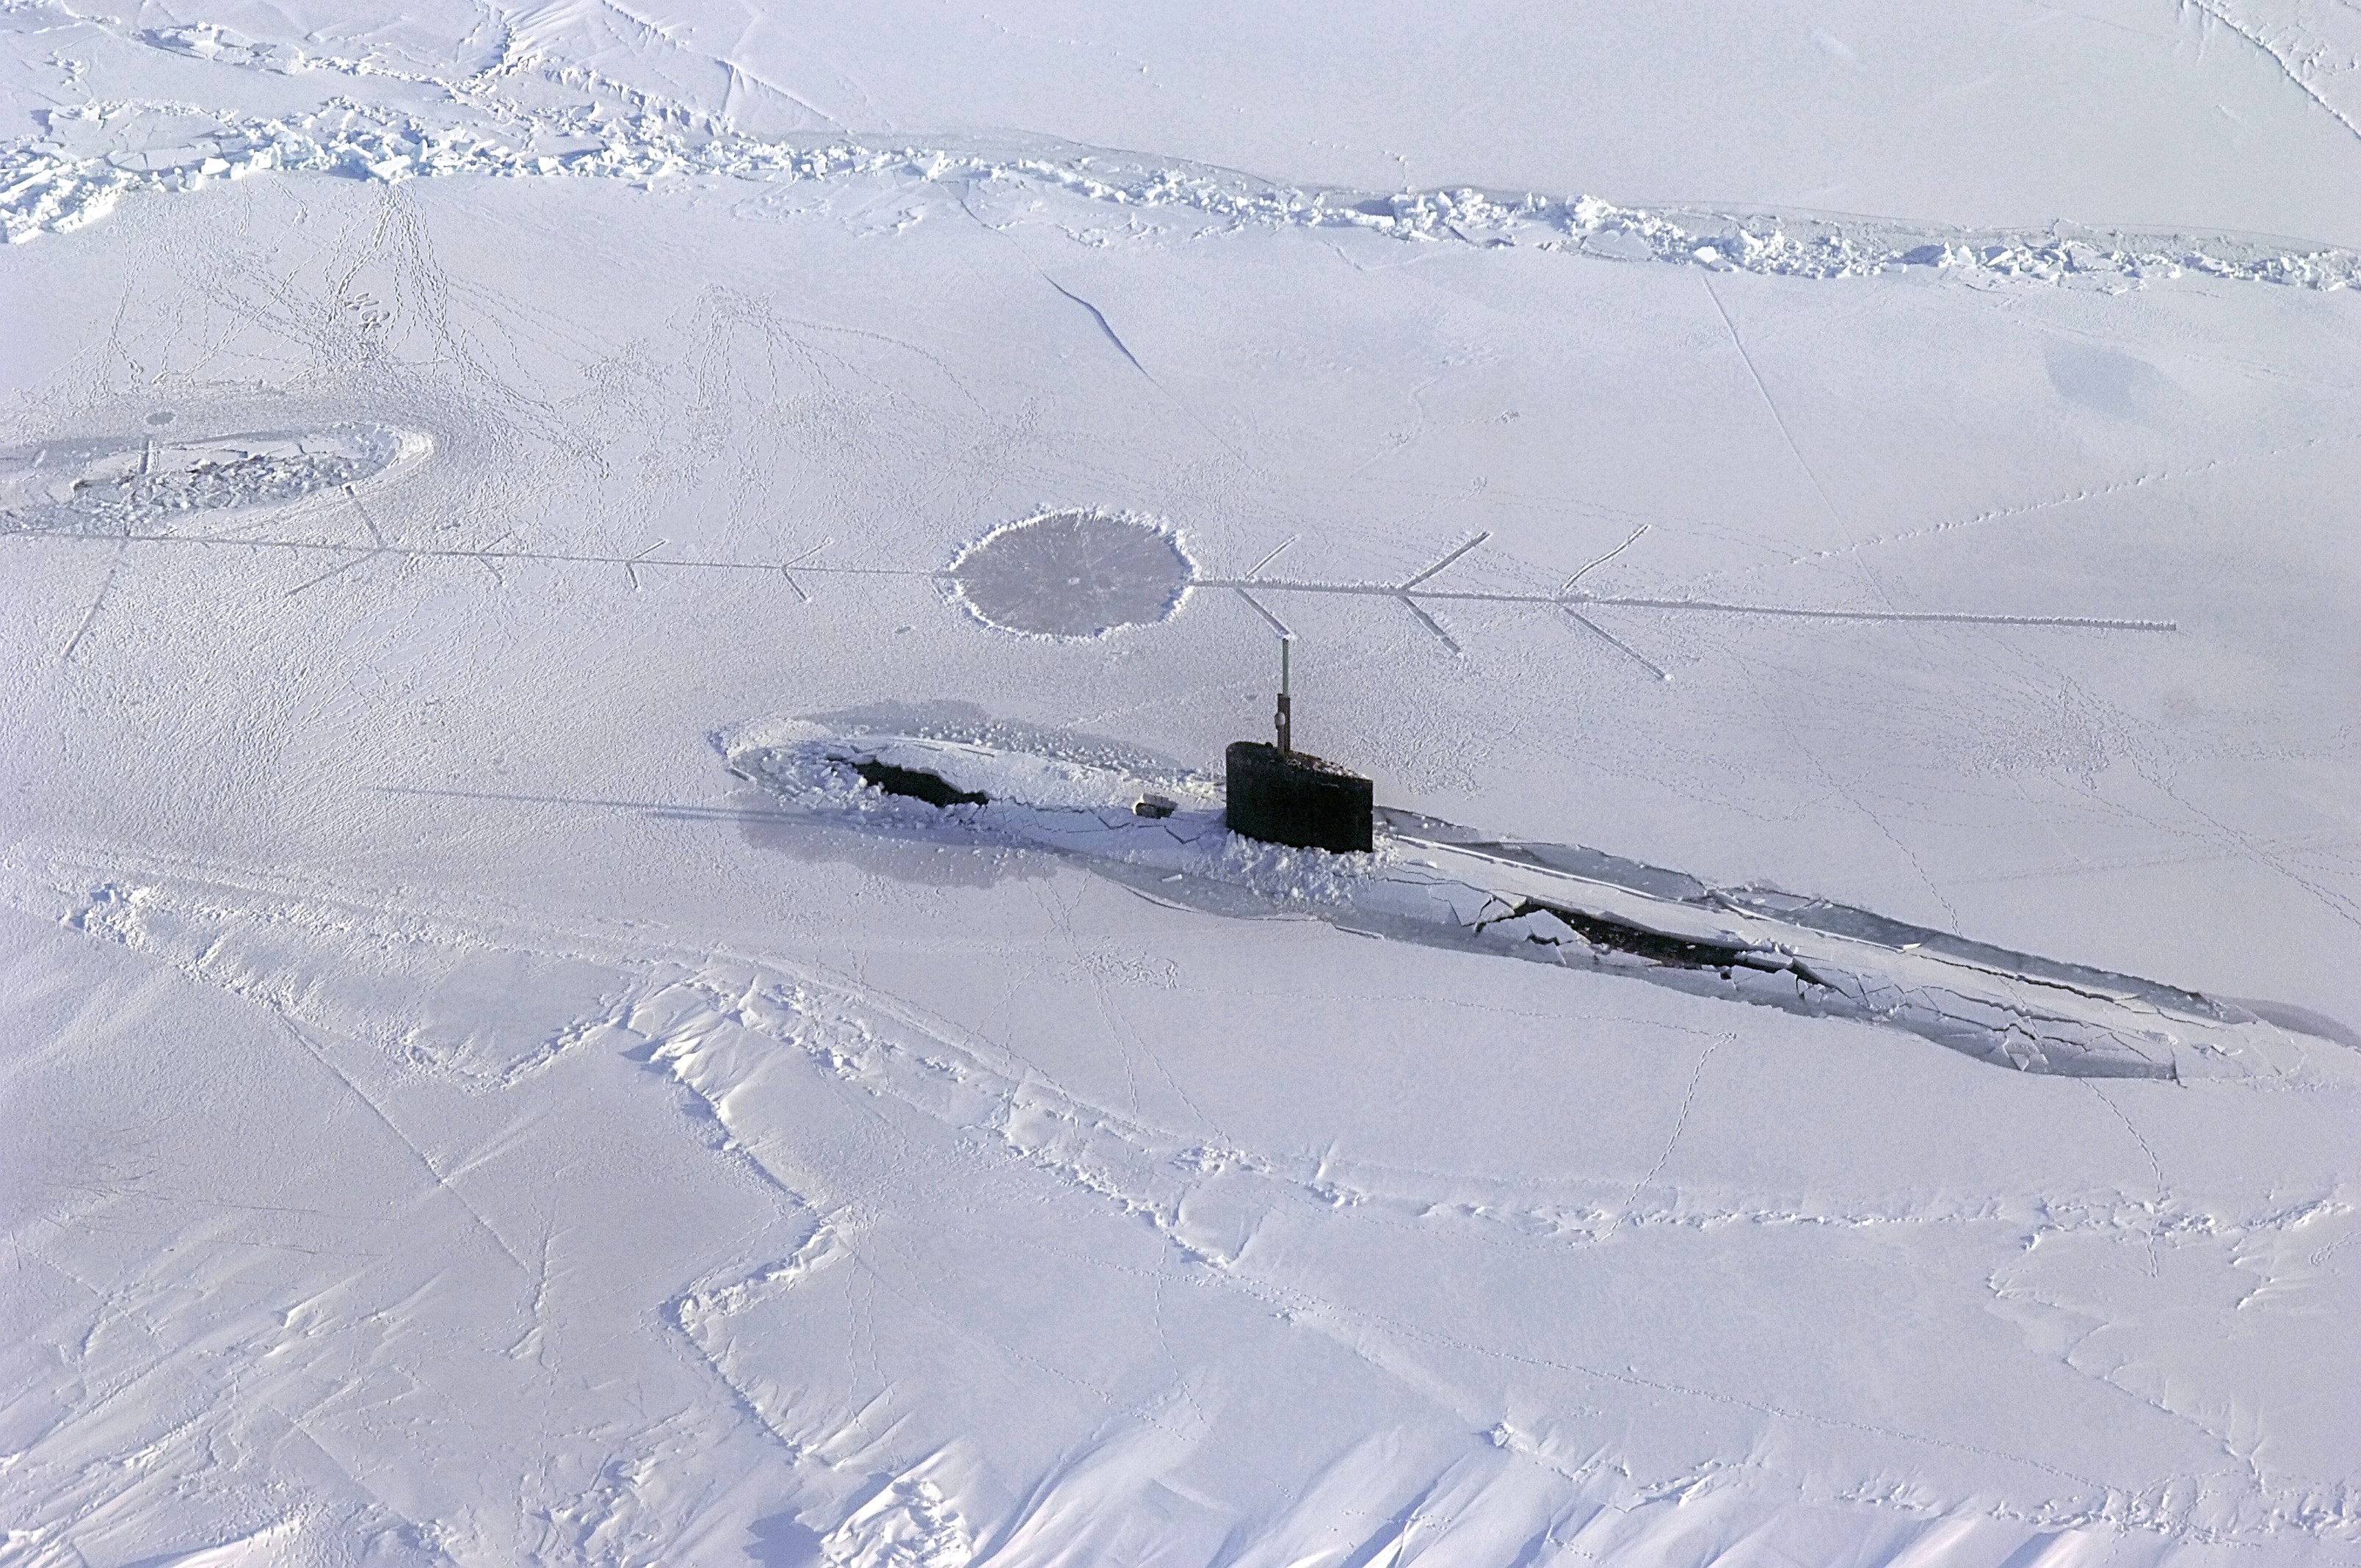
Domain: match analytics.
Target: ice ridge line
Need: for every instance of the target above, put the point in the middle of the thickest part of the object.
(46, 188)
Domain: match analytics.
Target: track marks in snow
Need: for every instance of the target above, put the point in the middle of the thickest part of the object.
(1769, 401)
(2013, 513)
(1160, 1177)
(723, 1028)
(2248, 847)
(678, 1008)
(377, 1113)
(1148, 1175)
(2287, 47)
(481, 1004)
(1680, 1120)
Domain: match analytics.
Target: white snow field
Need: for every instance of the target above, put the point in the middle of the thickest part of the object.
(446, 1116)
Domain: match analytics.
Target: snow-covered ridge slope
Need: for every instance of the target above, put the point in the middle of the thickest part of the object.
(1432, 882)
(845, 1117)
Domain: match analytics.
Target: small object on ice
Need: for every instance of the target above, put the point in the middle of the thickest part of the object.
(1154, 806)
(917, 784)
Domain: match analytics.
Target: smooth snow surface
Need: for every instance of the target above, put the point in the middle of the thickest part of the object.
(1903, 456)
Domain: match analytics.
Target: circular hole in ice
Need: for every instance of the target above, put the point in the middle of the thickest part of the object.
(1074, 573)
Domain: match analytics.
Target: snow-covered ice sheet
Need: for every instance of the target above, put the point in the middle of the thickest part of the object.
(445, 1118)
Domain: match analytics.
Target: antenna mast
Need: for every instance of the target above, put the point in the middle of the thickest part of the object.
(1286, 713)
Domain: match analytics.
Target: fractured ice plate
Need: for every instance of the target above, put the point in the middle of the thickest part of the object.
(1433, 882)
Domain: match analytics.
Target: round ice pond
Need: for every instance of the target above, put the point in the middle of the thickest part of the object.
(1074, 573)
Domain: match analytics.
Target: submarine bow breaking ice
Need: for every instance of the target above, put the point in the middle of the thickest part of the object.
(1162, 832)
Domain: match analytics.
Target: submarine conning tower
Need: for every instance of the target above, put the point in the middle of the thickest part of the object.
(1282, 796)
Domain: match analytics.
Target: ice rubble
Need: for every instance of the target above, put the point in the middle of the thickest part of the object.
(1433, 882)
(116, 487)
(48, 185)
